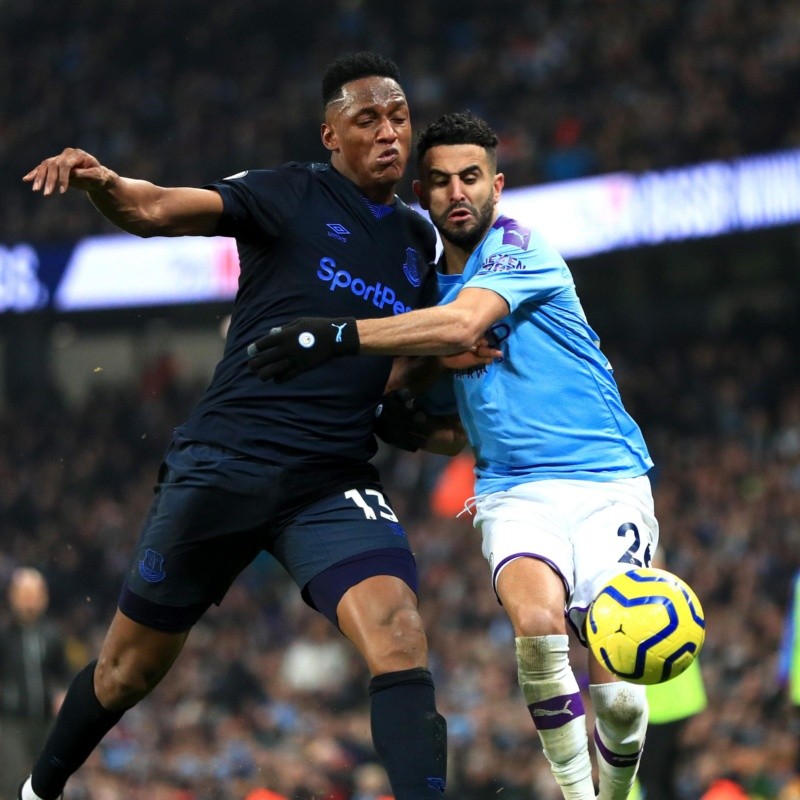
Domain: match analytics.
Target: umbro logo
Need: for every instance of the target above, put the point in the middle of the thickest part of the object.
(338, 231)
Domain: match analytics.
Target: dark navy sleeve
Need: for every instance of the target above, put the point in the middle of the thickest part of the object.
(259, 202)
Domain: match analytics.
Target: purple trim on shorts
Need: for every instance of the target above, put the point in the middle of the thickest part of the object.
(616, 759)
(538, 557)
(324, 591)
(557, 711)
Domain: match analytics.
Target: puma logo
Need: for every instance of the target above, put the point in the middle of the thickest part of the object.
(546, 712)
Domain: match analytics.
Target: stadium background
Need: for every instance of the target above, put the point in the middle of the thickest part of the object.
(703, 335)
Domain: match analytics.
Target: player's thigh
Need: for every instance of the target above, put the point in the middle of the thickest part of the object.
(533, 595)
(524, 525)
(198, 536)
(379, 616)
(341, 540)
(615, 530)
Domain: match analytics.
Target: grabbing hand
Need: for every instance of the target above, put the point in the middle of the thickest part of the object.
(72, 168)
(399, 422)
(481, 354)
(299, 346)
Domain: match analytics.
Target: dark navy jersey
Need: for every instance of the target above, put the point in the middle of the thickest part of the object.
(310, 244)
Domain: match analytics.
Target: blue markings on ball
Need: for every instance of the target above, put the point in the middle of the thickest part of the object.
(645, 625)
(643, 647)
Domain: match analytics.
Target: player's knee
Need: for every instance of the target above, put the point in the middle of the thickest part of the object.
(405, 642)
(627, 711)
(122, 682)
(407, 629)
(538, 621)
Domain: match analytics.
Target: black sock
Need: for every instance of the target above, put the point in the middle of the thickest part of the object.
(80, 725)
(409, 734)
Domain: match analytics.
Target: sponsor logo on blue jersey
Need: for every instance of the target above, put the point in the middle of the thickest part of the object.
(470, 372)
(380, 295)
(151, 567)
(411, 267)
(495, 336)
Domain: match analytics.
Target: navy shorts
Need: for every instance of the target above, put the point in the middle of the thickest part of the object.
(215, 510)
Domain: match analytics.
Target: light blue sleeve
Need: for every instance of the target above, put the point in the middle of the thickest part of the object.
(535, 274)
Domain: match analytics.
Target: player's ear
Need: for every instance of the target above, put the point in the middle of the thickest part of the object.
(497, 184)
(329, 138)
(419, 191)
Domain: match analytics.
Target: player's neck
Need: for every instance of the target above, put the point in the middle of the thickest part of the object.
(454, 259)
(382, 193)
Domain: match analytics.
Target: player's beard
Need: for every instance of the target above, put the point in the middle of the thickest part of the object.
(463, 236)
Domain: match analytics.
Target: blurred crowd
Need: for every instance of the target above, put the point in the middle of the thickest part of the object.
(188, 92)
(268, 695)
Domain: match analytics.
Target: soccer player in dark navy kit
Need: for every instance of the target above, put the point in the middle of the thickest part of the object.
(282, 467)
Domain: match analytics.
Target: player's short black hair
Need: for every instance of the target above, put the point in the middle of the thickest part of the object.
(351, 67)
(458, 127)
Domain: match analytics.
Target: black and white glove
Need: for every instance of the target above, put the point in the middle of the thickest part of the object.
(291, 349)
(399, 422)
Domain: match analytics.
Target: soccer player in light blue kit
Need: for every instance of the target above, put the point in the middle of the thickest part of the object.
(563, 498)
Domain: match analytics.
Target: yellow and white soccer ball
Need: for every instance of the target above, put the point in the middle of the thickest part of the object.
(646, 625)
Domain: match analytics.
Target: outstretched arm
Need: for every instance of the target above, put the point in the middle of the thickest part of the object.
(439, 330)
(136, 206)
(456, 327)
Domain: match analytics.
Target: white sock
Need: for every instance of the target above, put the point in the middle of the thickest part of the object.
(620, 727)
(27, 793)
(556, 706)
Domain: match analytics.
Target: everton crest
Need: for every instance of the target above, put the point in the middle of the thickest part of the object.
(151, 567)
(411, 267)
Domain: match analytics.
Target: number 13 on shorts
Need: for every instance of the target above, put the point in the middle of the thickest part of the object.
(360, 498)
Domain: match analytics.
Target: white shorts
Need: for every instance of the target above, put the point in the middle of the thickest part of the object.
(587, 531)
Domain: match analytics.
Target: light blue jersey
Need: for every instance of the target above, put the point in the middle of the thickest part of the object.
(551, 408)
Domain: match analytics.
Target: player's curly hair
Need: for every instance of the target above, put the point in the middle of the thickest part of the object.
(458, 127)
(351, 67)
